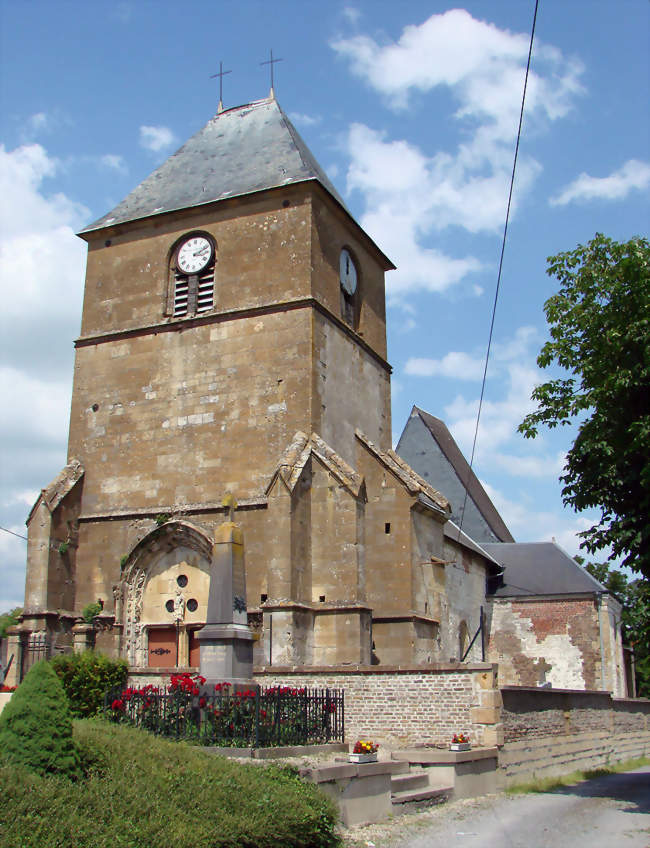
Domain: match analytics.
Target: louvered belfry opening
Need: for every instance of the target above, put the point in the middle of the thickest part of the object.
(193, 293)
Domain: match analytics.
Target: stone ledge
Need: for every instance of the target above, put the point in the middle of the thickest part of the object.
(429, 756)
(333, 670)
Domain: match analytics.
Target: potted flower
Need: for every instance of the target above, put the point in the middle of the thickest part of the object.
(460, 742)
(364, 751)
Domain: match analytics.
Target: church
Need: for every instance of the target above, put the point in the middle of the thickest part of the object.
(233, 346)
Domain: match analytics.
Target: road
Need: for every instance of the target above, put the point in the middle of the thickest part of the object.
(607, 812)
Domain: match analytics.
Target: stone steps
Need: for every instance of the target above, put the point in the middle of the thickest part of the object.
(413, 785)
(440, 794)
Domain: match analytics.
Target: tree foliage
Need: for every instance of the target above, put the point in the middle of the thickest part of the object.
(599, 324)
(36, 725)
(8, 619)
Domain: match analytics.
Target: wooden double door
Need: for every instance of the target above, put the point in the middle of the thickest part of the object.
(170, 647)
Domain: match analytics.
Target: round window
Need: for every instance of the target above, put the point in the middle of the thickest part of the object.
(169, 606)
(182, 580)
(192, 605)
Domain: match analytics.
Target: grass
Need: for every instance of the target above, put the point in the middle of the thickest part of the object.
(141, 791)
(549, 784)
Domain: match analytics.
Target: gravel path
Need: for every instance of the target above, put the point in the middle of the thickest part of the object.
(602, 813)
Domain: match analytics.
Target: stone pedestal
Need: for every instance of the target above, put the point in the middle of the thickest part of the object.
(226, 641)
(83, 636)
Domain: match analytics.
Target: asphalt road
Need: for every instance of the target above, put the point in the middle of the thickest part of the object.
(607, 812)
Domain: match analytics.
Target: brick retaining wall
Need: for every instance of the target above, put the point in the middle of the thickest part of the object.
(406, 706)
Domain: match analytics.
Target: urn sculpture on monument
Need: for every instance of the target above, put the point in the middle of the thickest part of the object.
(226, 641)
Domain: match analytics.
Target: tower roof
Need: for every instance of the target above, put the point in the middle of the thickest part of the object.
(239, 151)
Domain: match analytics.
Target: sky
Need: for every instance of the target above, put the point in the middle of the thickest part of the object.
(412, 110)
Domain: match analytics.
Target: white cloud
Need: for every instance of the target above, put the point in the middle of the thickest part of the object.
(409, 193)
(528, 523)
(156, 138)
(632, 176)
(42, 266)
(114, 162)
(305, 120)
(37, 123)
(481, 64)
(351, 14)
(459, 366)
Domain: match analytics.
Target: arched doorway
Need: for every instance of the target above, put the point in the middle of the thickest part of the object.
(165, 587)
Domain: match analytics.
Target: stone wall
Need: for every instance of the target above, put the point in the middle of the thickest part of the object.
(550, 732)
(407, 706)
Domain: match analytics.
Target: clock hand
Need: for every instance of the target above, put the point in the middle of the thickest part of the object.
(200, 252)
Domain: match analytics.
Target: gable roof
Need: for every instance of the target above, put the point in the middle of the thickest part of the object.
(411, 480)
(62, 484)
(239, 151)
(540, 568)
(465, 474)
(298, 452)
(453, 532)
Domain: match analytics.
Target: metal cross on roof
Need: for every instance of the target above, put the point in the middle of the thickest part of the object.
(221, 74)
(271, 62)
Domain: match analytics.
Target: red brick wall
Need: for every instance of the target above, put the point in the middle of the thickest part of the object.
(542, 641)
(400, 706)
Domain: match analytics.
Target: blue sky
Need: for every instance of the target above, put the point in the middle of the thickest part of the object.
(412, 109)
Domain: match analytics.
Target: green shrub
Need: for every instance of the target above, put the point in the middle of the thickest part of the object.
(148, 791)
(36, 725)
(91, 611)
(86, 678)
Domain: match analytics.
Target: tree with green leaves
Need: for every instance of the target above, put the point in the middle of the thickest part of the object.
(599, 324)
(8, 619)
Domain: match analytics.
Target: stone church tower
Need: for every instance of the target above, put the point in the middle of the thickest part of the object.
(233, 340)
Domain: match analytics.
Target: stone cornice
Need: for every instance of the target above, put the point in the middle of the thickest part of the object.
(176, 325)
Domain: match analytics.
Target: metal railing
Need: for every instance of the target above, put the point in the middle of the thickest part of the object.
(260, 717)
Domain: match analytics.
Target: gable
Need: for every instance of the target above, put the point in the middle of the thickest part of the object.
(62, 484)
(429, 447)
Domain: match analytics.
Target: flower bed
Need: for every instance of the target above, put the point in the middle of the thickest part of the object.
(276, 715)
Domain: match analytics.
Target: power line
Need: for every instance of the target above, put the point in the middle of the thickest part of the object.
(498, 286)
(14, 534)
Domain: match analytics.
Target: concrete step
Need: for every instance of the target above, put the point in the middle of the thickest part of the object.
(428, 794)
(406, 782)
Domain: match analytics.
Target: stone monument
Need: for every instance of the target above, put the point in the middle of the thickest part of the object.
(226, 641)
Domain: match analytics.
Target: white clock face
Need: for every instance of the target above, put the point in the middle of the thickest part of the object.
(347, 272)
(194, 255)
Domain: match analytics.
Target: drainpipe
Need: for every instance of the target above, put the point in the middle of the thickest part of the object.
(599, 607)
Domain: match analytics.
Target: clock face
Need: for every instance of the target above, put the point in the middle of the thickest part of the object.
(347, 272)
(194, 255)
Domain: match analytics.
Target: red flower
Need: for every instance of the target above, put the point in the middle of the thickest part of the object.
(118, 705)
(202, 702)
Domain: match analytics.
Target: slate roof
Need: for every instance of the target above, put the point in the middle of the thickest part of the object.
(239, 151)
(453, 532)
(540, 568)
(477, 493)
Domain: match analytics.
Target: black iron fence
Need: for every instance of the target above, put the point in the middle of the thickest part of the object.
(38, 646)
(260, 717)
